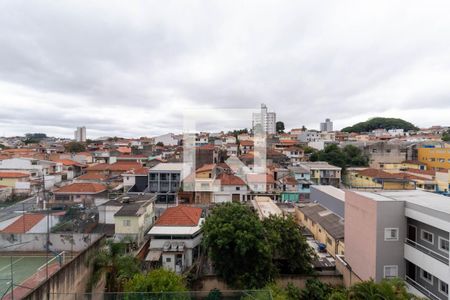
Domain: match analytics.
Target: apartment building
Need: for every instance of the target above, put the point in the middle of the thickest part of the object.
(165, 181)
(399, 234)
(265, 119)
(434, 157)
(323, 173)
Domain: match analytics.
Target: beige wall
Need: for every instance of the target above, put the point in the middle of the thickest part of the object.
(360, 234)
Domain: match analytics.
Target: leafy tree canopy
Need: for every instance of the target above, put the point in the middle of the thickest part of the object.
(380, 123)
(446, 136)
(279, 127)
(236, 241)
(349, 156)
(75, 147)
(156, 281)
(290, 251)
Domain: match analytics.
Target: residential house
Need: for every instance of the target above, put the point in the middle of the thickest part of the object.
(19, 182)
(295, 154)
(232, 189)
(165, 180)
(303, 177)
(325, 226)
(85, 193)
(246, 146)
(323, 173)
(134, 219)
(435, 157)
(176, 238)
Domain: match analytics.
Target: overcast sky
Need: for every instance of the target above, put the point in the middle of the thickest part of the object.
(130, 68)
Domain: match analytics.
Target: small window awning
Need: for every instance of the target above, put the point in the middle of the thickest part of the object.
(153, 255)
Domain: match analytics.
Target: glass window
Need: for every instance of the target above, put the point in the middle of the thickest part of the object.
(427, 236)
(391, 234)
(390, 271)
(168, 259)
(126, 223)
(443, 287)
(426, 276)
(443, 244)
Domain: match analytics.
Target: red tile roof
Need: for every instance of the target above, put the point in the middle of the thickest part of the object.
(123, 166)
(138, 171)
(229, 179)
(180, 216)
(124, 149)
(13, 175)
(206, 167)
(92, 176)
(68, 162)
(81, 188)
(423, 172)
(246, 143)
(24, 223)
(259, 178)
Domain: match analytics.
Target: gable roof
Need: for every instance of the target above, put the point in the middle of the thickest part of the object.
(81, 188)
(24, 223)
(229, 179)
(92, 176)
(180, 216)
(118, 166)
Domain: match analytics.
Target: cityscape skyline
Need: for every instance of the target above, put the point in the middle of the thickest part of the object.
(133, 70)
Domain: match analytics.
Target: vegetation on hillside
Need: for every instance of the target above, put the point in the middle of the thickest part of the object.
(247, 252)
(156, 281)
(380, 123)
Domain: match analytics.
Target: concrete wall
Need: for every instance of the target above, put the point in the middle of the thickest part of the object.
(71, 279)
(37, 241)
(390, 214)
(360, 234)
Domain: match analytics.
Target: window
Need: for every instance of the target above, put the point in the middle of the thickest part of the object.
(391, 234)
(329, 242)
(443, 287)
(126, 223)
(427, 236)
(238, 188)
(443, 244)
(426, 276)
(390, 271)
(168, 259)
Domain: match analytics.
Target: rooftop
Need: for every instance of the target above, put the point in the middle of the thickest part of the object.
(81, 188)
(322, 165)
(331, 190)
(24, 223)
(168, 167)
(13, 175)
(180, 216)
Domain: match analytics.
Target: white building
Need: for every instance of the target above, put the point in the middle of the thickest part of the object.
(80, 134)
(166, 139)
(176, 238)
(267, 120)
(326, 126)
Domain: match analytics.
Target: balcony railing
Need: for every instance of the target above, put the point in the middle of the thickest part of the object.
(427, 251)
(421, 288)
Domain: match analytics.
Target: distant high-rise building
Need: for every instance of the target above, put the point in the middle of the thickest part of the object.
(267, 120)
(326, 126)
(80, 134)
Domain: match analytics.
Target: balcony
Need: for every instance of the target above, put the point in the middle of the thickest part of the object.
(438, 256)
(417, 286)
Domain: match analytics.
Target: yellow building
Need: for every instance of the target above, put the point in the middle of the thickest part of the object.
(443, 180)
(435, 158)
(325, 226)
(133, 220)
(379, 179)
(11, 179)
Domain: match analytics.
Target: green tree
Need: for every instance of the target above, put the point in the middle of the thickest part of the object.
(75, 147)
(160, 144)
(346, 157)
(156, 281)
(316, 290)
(380, 123)
(236, 241)
(279, 127)
(113, 262)
(290, 251)
(446, 136)
(214, 294)
(394, 289)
